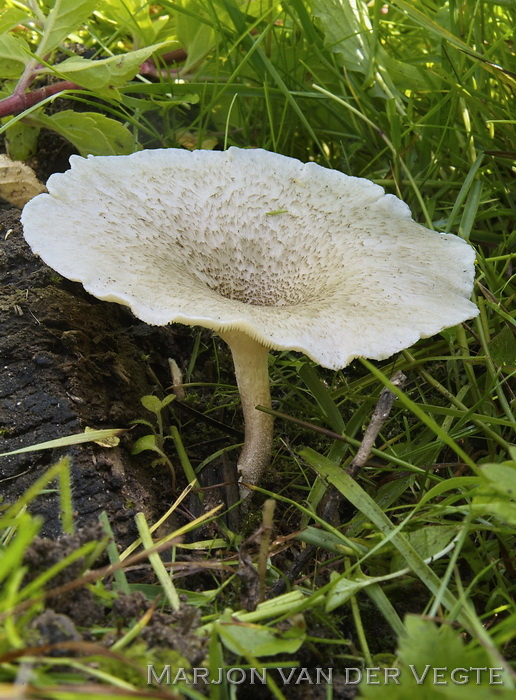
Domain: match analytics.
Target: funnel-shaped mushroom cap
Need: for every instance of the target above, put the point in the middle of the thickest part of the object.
(298, 256)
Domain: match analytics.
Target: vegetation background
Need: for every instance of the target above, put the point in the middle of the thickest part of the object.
(416, 96)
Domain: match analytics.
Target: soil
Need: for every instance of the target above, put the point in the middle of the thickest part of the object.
(69, 361)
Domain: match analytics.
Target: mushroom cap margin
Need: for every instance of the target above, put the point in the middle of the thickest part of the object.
(344, 270)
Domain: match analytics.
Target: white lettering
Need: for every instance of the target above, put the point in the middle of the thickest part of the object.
(321, 677)
(304, 676)
(421, 678)
(495, 673)
(152, 676)
(438, 675)
(347, 673)
(392, 673)
(478, 669)
(201, 674)
(229, 676)
(181, 676)
(219, 678)
(371, 673)
(286, 679)
(463, 678)
(261, 676)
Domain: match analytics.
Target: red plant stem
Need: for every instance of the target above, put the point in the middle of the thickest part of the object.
(14, 104)
(19, 101)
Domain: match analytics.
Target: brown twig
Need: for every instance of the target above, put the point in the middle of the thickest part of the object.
(380, 414)
(329, 505)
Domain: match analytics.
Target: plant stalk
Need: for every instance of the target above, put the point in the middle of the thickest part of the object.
(252, 374)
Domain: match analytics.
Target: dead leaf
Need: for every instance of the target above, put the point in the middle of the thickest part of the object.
(18, 183)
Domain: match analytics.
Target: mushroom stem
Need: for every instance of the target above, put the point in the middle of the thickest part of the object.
(252, 374)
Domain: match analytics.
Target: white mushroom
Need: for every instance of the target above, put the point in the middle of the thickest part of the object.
(266, 250)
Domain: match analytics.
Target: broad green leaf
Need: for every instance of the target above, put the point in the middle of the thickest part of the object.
(458, 485)
(426, 544)
(495, 494)
(428, 649)
(21, 140)
(147, 442)
(258, 640)
(354, 493)
(151, 403)
(501, 477)
(65, 17)
(348, 33)
(107, 72)
(386, 495)
(90, 132)
(345, 588)
(493, 504)
(195, 33)
(327, 540)
(132, 17)
(149, 105)
(503, 349)
(345, 26)
(402, 74)
(168, 399)
(14, 54)
(428, 541)
(10, 17)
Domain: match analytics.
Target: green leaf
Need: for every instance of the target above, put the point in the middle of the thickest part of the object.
(14, 54)
(78, 439)
(10, 17)
(501, 477)
(499, 508)
(65, 17)
(354, 493)
(349, 33)
(503, 349)
(258, 640)
(402, 74)
(195, 33)
(497, 495)
(345, 26)
(435, 664)
(90, 133)
(111, 72)
(168, 399)
(427, 541)
(133, 17)
(21, 140)
(323, 397)
(147, 442)
(149, 105)
(344, 589)
(151, 403)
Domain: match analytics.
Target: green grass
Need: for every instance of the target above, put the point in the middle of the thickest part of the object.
(417, 97)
